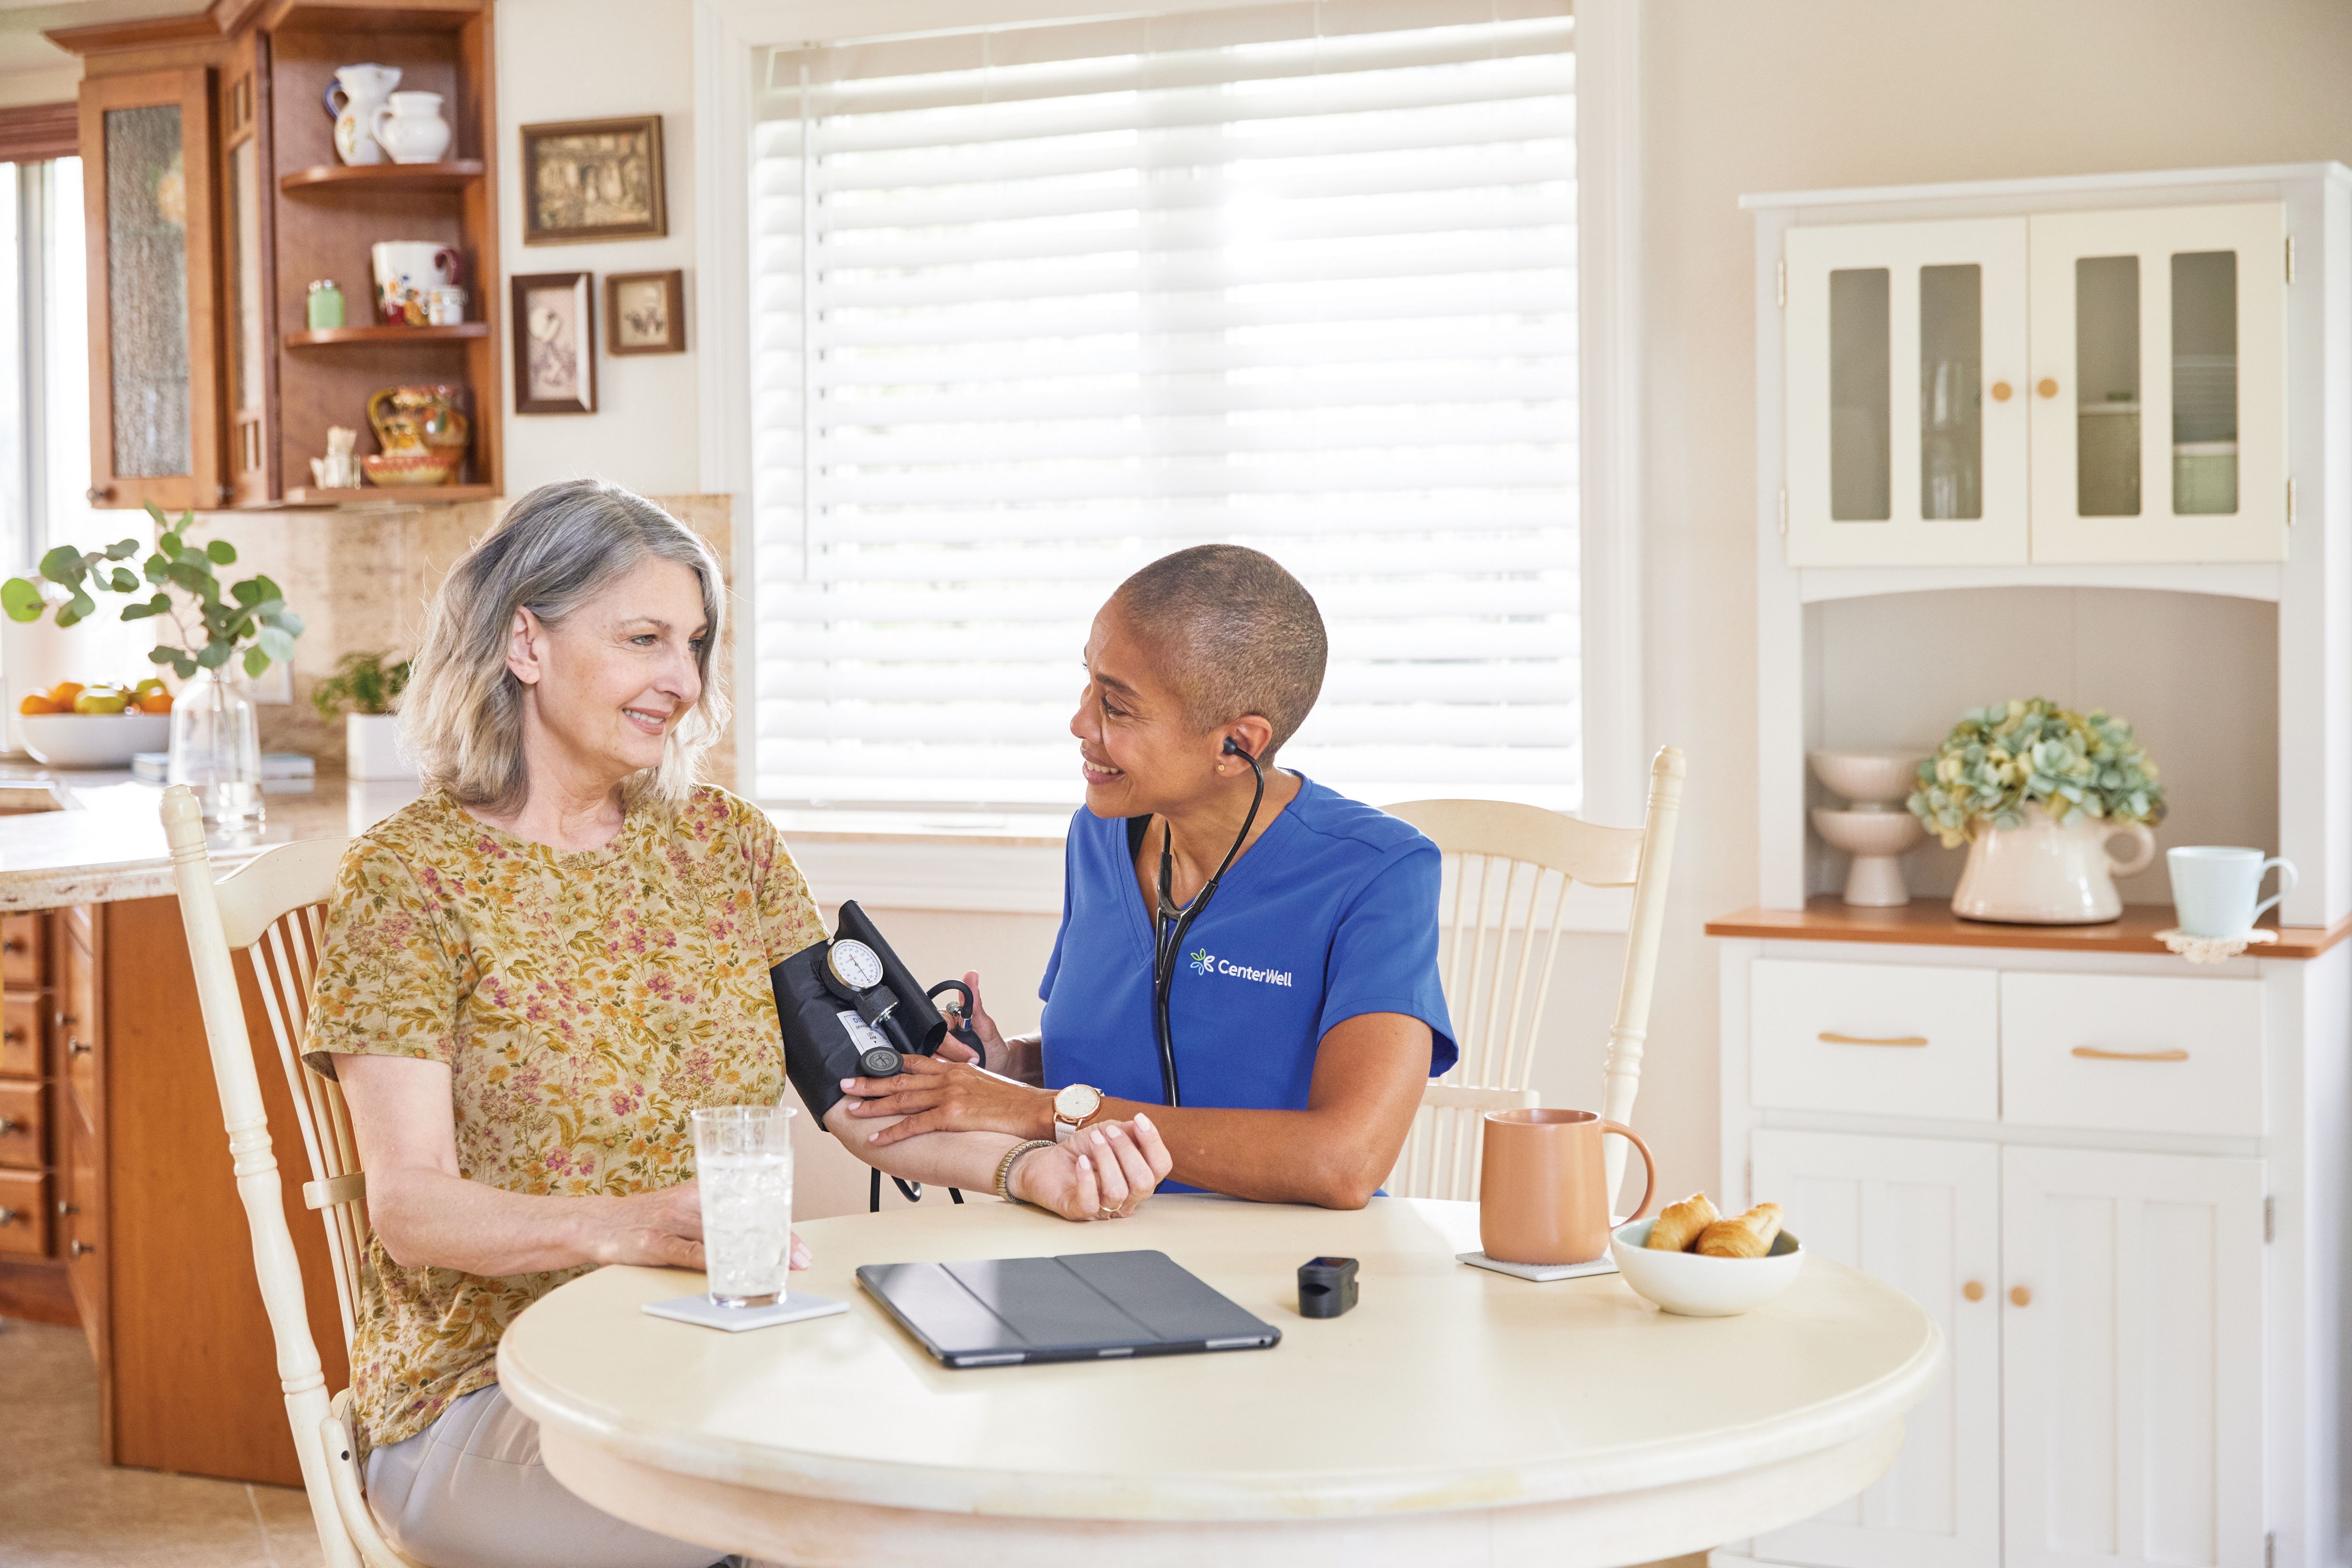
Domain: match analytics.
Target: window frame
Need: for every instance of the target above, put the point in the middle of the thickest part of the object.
(899, 869)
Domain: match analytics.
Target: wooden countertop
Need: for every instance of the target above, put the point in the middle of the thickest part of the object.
(1930, 923)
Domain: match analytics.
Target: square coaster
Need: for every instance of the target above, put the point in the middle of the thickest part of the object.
(699, 1308)
(1539, 1272)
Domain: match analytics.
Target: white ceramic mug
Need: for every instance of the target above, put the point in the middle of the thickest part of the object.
(2213, 887)
(407, 271)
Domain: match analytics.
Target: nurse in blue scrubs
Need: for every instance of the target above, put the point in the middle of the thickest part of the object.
(1304, 1009)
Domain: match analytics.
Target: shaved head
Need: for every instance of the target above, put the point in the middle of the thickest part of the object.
(1237, 634)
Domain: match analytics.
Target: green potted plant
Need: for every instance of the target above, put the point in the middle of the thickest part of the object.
(2036, 792)
(363, 689)
(215, 741)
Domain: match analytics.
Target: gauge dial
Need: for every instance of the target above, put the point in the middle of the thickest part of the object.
(854, 965)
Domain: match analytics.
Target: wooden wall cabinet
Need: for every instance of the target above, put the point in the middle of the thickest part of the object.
(215, 199)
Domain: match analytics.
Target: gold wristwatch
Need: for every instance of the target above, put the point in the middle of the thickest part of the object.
(1073, 1103)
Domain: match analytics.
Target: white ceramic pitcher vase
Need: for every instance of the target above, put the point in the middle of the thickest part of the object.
(2049, 872)
(352, 99)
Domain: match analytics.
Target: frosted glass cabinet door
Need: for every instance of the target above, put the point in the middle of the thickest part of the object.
(2159, 384)
(1924, 1216)
(1907, 427)
(148, 186)
(2132, 1359)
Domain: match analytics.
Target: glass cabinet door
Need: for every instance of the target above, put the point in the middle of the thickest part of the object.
(1905, 425)
(2159, 384)
(149, 191)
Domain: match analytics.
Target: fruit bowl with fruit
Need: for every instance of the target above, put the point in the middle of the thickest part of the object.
(101, 726)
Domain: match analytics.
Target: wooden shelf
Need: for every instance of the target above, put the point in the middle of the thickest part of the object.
(1930, 923)
(311, 496)
(453, 175)
(333, 336)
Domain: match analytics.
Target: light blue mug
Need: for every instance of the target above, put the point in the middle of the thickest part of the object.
(2213, 888)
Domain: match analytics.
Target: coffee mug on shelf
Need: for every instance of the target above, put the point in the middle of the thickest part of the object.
(2213, 888)
(406, 272)
(1543, 1194)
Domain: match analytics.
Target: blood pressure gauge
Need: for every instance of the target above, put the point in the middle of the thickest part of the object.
(854, 972)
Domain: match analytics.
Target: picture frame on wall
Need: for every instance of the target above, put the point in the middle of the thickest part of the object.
(594, 179)
(554, 328)
(644, 312)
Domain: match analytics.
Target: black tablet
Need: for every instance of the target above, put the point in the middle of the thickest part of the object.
(1088, 1306)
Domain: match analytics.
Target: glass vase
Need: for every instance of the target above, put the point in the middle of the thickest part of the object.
(217, 752)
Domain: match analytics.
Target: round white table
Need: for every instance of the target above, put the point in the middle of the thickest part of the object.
(1456, 1416)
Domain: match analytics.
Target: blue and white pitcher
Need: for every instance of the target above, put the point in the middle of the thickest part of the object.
(362, 90)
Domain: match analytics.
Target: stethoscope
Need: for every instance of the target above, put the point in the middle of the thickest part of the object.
(1169, 924)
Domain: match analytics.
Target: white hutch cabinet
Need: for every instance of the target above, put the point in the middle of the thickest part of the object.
(2121, 1184)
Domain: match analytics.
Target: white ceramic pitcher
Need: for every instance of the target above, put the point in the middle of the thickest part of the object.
(363, 89)
(2050, 872)
(409, 126)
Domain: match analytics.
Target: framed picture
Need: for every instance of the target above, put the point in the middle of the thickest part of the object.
(555, 343)
(644, 312)
(594, 179)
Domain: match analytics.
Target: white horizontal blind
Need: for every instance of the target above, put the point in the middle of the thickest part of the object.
(1035, 306)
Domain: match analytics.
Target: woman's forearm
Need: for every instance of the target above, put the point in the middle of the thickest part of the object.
(431, 1220)
(965, 1160)
(1322, 1157)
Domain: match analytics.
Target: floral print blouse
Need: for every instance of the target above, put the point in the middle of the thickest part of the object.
(584, 1003)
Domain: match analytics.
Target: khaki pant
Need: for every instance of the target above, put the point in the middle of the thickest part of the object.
(469, 1491)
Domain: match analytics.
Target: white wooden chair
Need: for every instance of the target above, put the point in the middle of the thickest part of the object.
(274, 909)
(1511, 867)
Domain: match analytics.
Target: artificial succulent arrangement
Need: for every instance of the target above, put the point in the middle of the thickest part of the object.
(2000, 760)
(249, 618)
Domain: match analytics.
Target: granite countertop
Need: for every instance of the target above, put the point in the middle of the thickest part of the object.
(70, 836)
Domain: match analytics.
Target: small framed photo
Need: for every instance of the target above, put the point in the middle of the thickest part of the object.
(594, 179)
(644, 312)
(555, 343)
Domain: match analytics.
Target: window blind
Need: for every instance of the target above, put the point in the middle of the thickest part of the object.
(1034, 306)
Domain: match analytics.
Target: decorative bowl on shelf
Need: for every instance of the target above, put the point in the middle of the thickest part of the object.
(396, 468)
(1877, 841)
(92, 739)
(1872, 775)
(1693, 1285)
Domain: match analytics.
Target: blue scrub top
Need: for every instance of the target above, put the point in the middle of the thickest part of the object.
(1330, 914)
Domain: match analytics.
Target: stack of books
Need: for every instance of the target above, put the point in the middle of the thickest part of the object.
(282, 772)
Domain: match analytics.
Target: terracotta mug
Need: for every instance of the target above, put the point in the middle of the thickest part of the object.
(1543, 1194)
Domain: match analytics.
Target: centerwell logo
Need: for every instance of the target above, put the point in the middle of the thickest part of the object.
(1206, 963)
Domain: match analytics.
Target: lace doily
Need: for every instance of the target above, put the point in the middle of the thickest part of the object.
(2213, 949)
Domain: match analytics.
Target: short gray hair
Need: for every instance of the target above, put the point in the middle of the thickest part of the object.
(1239, 636)
(558, 547)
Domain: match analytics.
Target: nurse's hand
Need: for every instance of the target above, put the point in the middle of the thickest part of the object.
(992, 1039)
(937, 1096)
(1104, 1173)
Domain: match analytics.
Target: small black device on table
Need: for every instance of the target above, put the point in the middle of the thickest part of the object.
(1327, 1287)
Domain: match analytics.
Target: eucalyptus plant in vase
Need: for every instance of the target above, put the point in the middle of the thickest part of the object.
(2036, 792)
(215, 740)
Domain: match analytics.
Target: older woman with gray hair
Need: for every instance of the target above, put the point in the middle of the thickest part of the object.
(532, 972)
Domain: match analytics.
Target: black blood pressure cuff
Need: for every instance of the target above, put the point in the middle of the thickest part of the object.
(823, 1034)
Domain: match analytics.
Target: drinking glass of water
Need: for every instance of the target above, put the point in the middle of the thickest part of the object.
(743, 1157)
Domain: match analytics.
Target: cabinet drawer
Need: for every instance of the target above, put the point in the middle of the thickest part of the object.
(2139, 1054)
(76, 1025)
(24, 1139)
(21, 939)
(1898, 1039)
(20, 1036)
(24, 1214)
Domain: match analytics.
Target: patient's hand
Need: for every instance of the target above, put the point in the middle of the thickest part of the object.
(937, 1096)
(1105, 1172)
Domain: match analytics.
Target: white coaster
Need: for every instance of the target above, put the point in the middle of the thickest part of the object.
(1540, 1272)
(699, 1308)
(2215, 949)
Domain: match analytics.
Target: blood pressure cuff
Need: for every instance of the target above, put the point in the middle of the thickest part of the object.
(823, 1031)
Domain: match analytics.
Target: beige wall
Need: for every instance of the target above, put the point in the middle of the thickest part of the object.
(1744, 96)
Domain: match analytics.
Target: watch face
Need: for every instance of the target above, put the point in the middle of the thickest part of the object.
(1076, 1102)
(854, 965)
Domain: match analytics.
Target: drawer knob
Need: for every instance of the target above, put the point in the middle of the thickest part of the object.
(16, 1034)
(2000, 391)
(1830, 1037)
(77, 1047)
(10, 1216)
(1973, 1289)
(64, 1208)
(79, 1248)
(16, 945)
(11, 1125)
(2097, 1053)
(2019, 1296)
(2047, 387)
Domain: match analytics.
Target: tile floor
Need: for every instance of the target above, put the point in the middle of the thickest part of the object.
(59, 1508)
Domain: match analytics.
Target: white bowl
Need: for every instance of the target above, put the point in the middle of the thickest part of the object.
(1868, 832)
(92, 739)
(1696, 1286)
(1885, 774)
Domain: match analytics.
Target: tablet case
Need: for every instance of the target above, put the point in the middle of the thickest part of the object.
(1085, 1306)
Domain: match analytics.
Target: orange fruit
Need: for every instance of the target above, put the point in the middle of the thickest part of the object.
(35, 703)
(155, 701)
(64, 693)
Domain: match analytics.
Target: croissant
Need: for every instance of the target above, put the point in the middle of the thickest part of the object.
(1750, 1235)
(1679, 1224)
